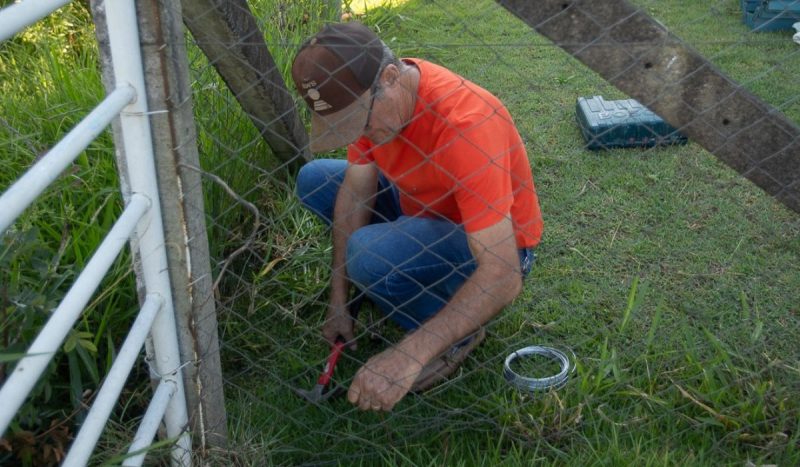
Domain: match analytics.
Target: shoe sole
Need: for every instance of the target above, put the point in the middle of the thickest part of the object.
(440, 369)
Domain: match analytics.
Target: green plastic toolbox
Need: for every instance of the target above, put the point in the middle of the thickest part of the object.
(771, 15)
(622, 124)
(749, 6)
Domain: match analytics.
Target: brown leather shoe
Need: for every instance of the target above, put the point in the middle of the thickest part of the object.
(439, 369)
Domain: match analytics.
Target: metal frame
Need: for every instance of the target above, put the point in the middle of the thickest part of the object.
(141, 217)
(19, 16)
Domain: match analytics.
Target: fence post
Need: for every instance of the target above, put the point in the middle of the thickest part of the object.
(229, 36)
(180, 192)
(677, 83)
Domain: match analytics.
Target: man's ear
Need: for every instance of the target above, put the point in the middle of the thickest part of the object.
(390, 75)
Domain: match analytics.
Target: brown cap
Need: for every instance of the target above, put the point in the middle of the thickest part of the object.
(334, 72)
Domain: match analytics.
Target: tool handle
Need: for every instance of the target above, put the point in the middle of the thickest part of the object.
(327, 372)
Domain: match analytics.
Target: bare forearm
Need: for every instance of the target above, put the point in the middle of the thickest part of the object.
(348, 217)
(485, 293)
(352, 211)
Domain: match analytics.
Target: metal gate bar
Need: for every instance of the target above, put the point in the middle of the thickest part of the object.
(112, 386)
(141, 216)
(18, 16)
(25, 190)
(28, 370)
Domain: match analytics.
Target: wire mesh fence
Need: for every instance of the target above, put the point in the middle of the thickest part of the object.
(670, 281)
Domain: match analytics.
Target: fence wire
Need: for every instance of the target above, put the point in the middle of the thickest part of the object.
(673, 280)
(670, 281)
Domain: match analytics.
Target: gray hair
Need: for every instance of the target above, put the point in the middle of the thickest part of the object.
(389, 58)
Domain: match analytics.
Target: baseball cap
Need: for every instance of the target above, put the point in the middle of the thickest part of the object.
(334, 72)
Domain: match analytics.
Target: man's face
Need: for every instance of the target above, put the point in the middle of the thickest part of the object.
(385, 117)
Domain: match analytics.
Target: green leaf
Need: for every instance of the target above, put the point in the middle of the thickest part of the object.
(71, 342)
(631, 300)
(635, 297)
(89, 363)
(757, 331)
(75, 380)
(653, 326)
(13, 357)
(88, 345)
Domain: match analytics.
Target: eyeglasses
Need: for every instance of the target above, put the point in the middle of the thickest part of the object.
(374, 91)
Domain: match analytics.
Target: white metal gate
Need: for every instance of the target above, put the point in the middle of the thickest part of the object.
(141, 218)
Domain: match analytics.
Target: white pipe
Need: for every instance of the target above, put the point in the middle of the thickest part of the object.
(107, 397)
(127, 60)
(21, 381)
(150, 422)
(25, 190)
(18, 16)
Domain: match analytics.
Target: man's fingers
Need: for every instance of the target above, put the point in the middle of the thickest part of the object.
(330, 337)
(338, 327)
(355, 390)
(359, 393)
(369, 391)
(380, 384)
(350, 339)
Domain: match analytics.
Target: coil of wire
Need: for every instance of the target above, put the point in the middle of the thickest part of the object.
(530, 384)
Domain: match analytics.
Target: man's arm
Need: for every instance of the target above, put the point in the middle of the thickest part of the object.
(497, 280)
(353, 209)
(495, 283)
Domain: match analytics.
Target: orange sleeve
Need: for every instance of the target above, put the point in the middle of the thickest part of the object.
(360, 152)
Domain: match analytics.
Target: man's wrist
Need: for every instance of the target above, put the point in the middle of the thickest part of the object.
(339, 291)
(419, 346)
(337, 299)
(414, 363)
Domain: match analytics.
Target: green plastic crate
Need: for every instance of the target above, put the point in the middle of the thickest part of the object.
(772, 15)
(622, 124)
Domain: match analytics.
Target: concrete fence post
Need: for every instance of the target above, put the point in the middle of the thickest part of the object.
(174, 138)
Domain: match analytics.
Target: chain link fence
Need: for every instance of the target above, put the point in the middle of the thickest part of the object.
(670, 281)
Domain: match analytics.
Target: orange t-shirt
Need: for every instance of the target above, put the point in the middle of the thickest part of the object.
(460, 157)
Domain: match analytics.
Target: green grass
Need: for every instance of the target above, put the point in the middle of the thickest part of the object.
(675, 281)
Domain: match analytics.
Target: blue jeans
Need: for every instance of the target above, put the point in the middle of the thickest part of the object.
(409, 266)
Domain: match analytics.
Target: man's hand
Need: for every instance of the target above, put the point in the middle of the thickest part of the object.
(384, 380)
(339, 323)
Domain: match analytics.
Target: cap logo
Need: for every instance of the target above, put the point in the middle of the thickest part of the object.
(320, 105)
(313, 94)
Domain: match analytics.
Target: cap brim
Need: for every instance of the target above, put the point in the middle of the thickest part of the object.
(336, 130)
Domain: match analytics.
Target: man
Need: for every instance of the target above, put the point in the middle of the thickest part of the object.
(434, 214)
